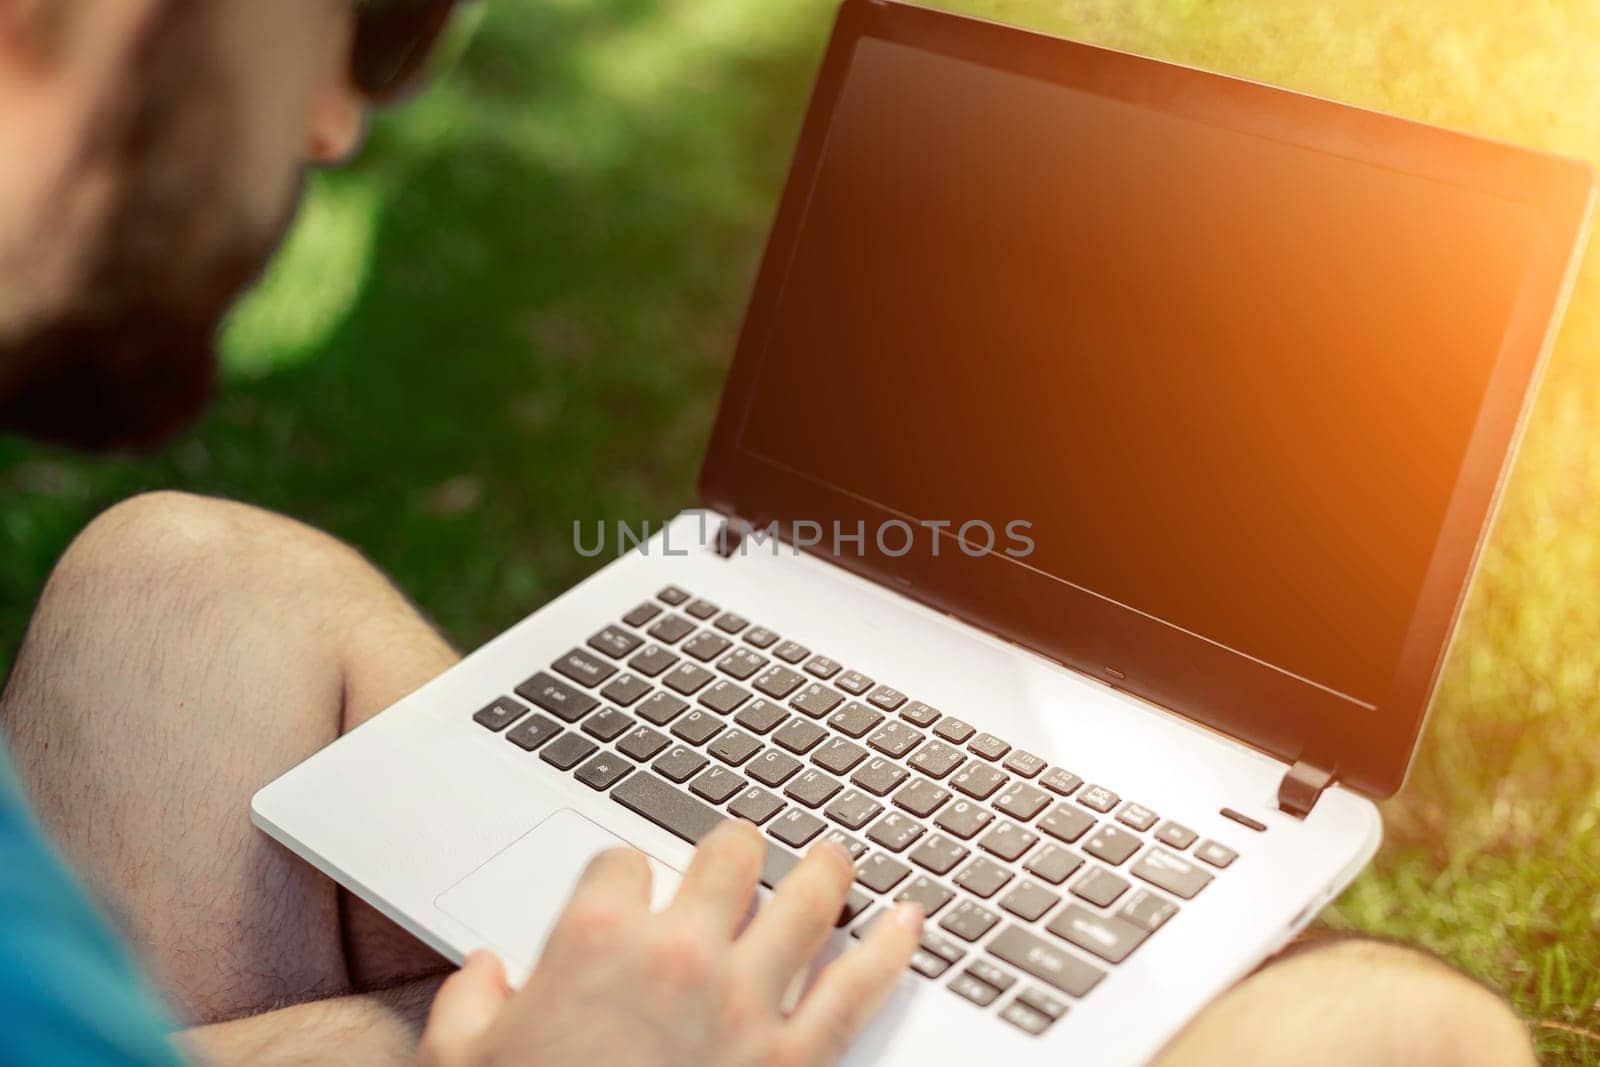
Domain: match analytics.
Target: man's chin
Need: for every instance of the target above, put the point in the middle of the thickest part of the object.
(126, 382)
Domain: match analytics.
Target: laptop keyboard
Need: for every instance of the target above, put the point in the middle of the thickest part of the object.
(688, 714)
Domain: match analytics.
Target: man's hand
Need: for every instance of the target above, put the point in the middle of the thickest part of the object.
(692, 984)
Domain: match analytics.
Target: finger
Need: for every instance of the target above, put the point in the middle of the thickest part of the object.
(618, 878)
(721, 879)
(853, 987)
(789, 930)
(463, 1009)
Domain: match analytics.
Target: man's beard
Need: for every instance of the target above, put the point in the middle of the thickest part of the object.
(127, 358)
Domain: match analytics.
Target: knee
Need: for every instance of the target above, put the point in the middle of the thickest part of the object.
(1357, 1002)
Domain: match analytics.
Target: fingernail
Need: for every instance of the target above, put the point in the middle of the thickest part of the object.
(909, 915)
(842, 853)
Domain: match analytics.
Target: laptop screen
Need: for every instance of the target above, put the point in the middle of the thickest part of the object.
(1227, 382)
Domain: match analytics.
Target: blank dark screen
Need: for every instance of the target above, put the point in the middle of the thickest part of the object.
(1229, 380)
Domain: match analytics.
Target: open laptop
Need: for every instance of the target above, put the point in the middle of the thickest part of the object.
(1140, 427)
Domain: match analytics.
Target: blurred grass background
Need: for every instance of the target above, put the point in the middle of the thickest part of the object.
(514, 311)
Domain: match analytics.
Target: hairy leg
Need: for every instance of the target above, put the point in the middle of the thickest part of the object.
(1357, 1002)
(185, 652)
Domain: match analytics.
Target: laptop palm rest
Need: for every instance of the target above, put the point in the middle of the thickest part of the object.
(513, 899)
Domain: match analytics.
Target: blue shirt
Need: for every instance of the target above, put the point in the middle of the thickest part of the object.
(69, 992)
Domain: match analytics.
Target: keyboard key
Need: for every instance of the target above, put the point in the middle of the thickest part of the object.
(1176, 835)
(697, 727)
(670, 629)
(499, 713)
(660, 708)
(760, 637)
(1059, 781)
(1022, 801)
(895, 739)
(607, 724)
(795, 827)
(921, 798)
(706, 646)
(583, 668)
(1066, 824)
(1029, 900)
(729, 623)
(978, 780)
(1042, 1002)
(799, 736)
(759, 716)
(567, 751)
(642, 743)
(778, 682)
(641, 615)
(756, 804)
(615, 642)
(823, 667)
(791, 652)
(881, 873)
(989, 746)
(936, 759)
(1147, 911)
(1008, 841)
(925, 891)
(1137, 816)
(838, 755)
(813, 788)
(724, 697)
(1112, 843)
(701, 609)
(667, 806)
(733, 747)
(980, 993)
(773, 768)
(686, 678)
(954, 730)
(652, 660)
(963, 819)
(1025, 1018)
(1032, 954)
(741, 663)
(853, 809)
(1217, 855)
(673, 595)
(853, 682)
(557, 697)
(1173, 873)
(1100, 887)
(988, 973)
(624, 689)
(853, 845)
(879, 776)
(855, 720)
(1023, 764)
(533, 731)
(1053, 863)
(816, 700)
(603, 771)
(717, 784)
(928, 964)
(1098, 797)
(1106, 936)
(894, 832)
(938, 854)
(969, 920)
(983, 877)
(679, 763)
(886, 698)
(919, 714)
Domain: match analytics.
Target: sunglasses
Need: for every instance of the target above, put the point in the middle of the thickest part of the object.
(393, 39)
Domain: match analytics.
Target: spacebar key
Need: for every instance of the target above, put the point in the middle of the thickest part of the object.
(669, 808)
(1045, 961)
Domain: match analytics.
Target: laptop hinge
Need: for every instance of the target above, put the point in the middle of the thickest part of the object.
(1301, 786)
(729, 536)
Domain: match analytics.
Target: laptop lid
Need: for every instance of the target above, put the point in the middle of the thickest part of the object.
(1221, 379)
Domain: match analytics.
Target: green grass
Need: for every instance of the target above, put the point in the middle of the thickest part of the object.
(515, 311)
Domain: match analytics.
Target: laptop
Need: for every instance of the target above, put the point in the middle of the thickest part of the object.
(1098, 478)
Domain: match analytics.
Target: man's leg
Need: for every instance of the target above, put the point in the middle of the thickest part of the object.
(1356, 1002)
(185, 652)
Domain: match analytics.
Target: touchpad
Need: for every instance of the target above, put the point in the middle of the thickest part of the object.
(513, 899)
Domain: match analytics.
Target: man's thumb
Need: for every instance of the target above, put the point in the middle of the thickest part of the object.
(466, 1004)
